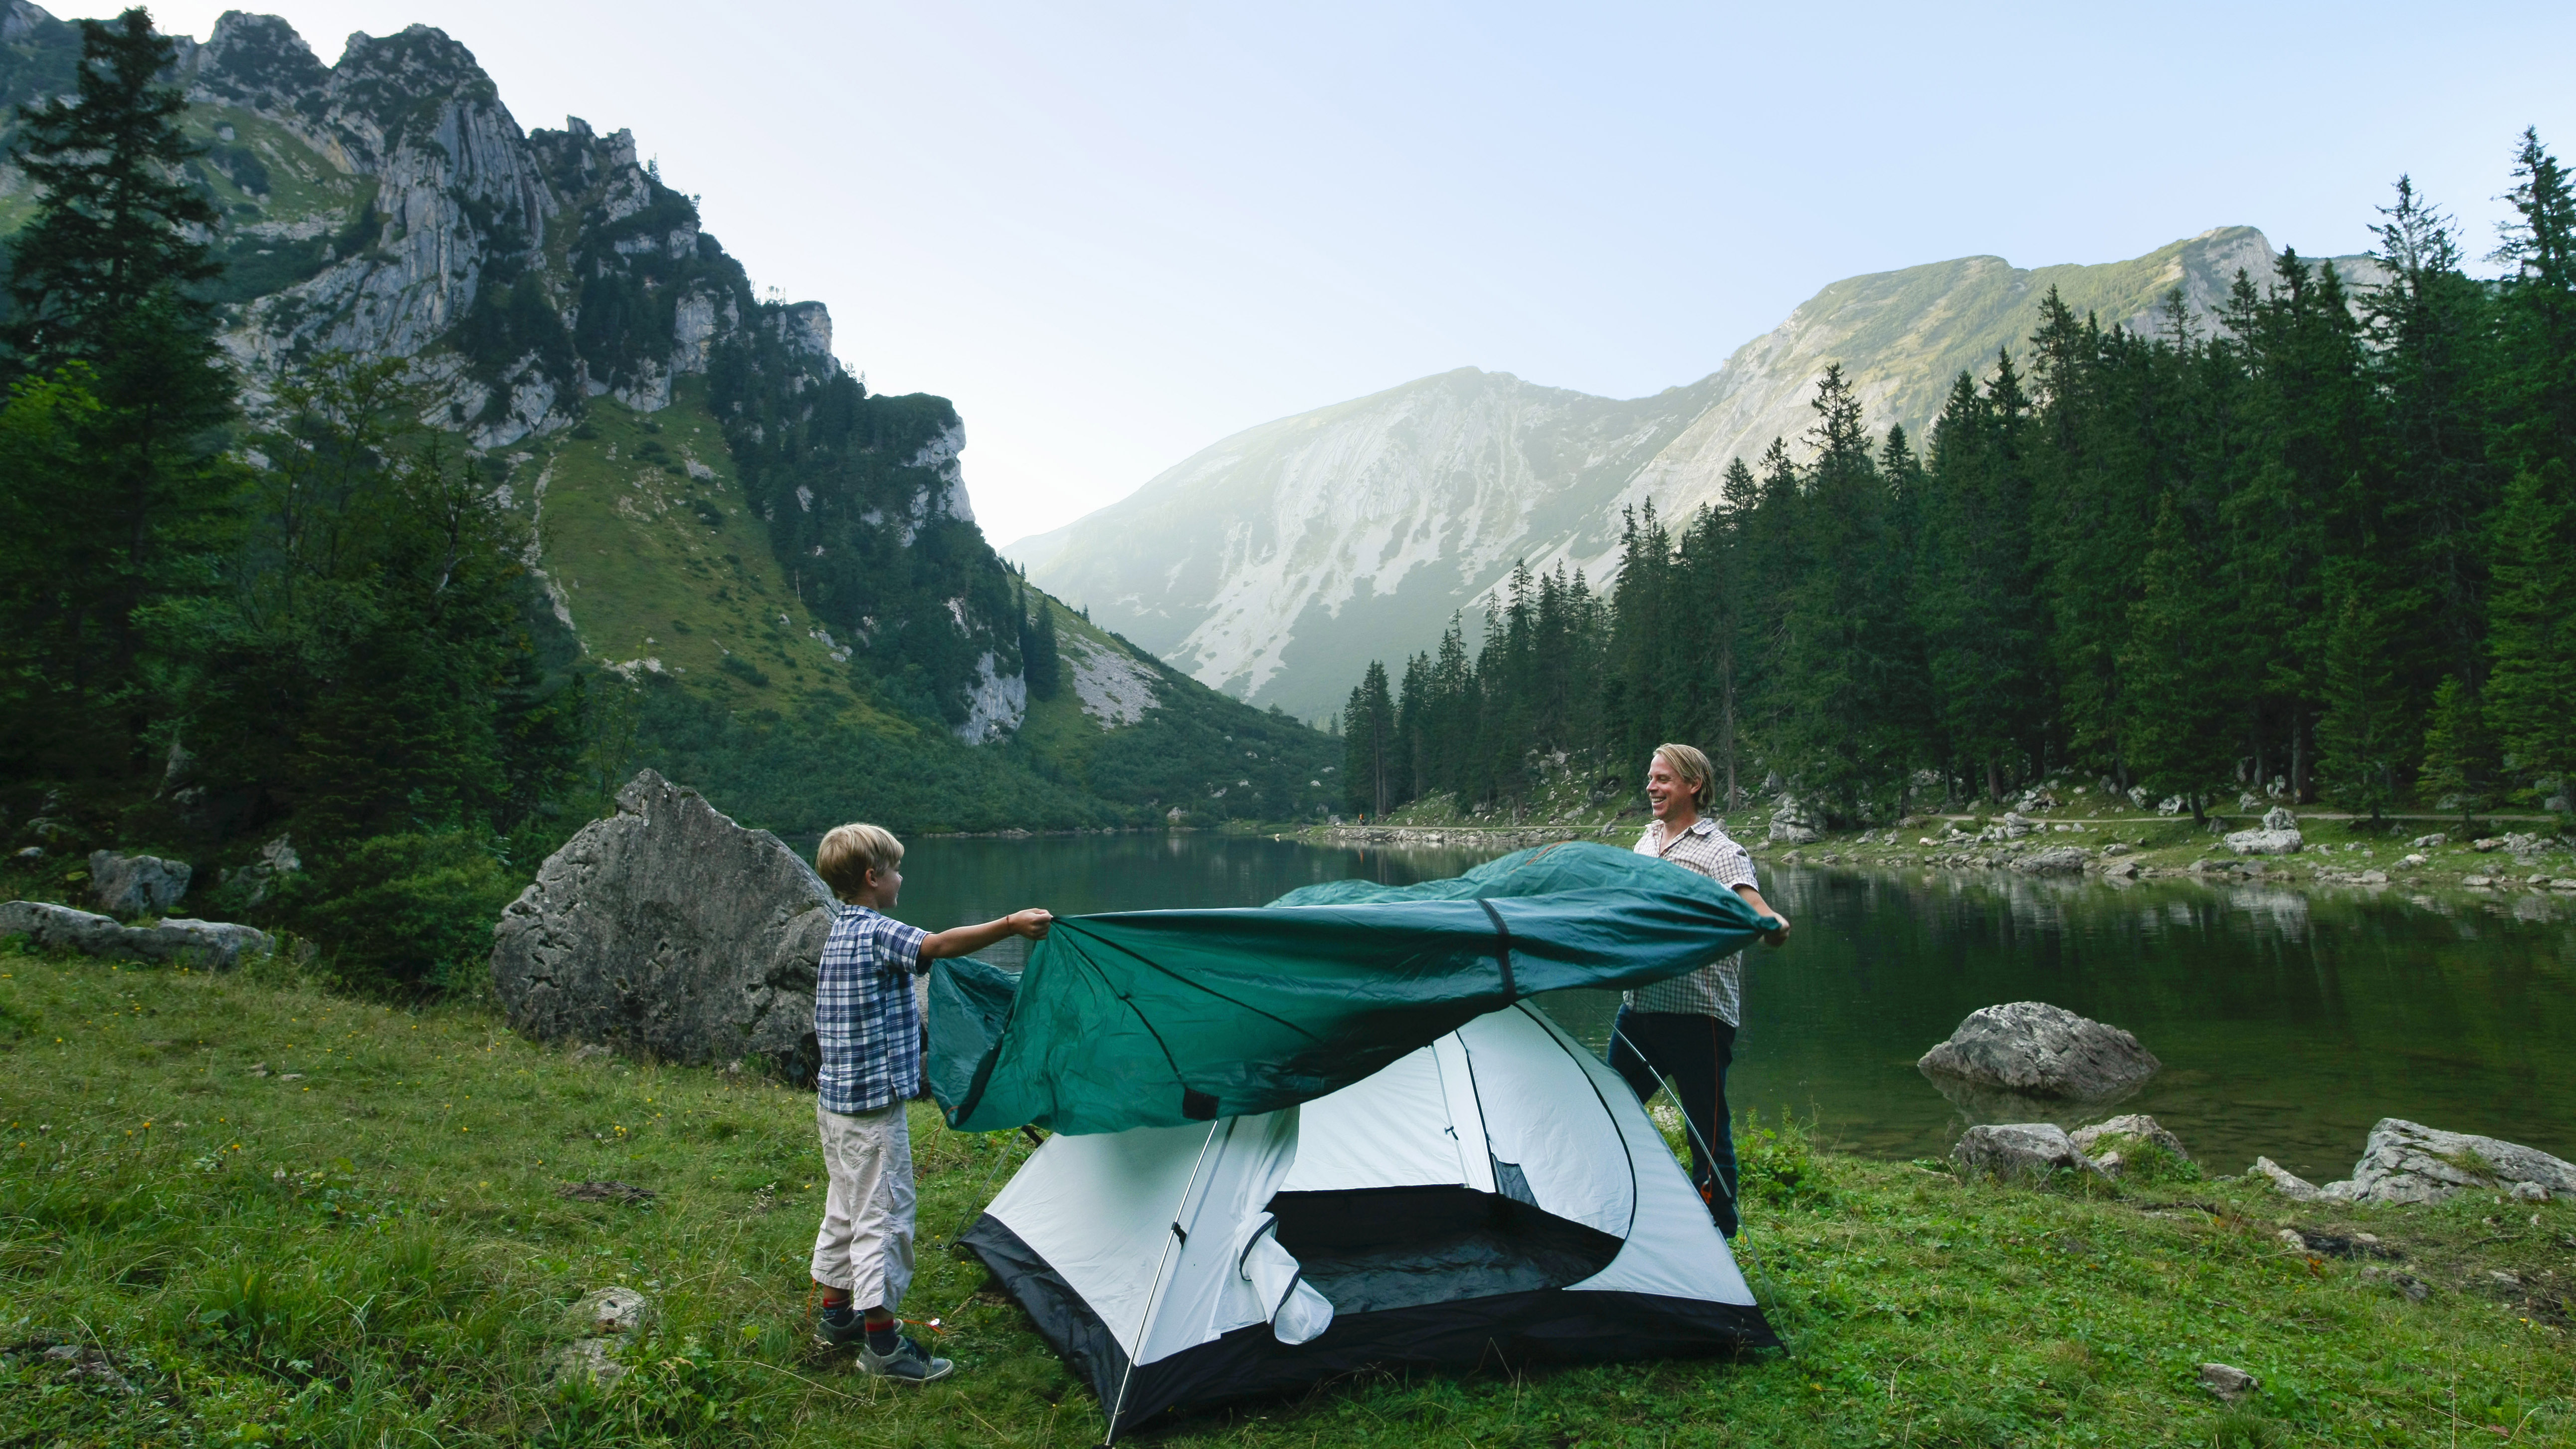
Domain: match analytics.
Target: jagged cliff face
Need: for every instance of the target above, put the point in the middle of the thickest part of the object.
(1277, 562)
(390, 206)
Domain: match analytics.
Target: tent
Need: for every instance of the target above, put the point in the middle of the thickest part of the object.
(1328, 1133)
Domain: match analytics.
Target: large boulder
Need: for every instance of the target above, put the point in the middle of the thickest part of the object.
(136, 885)
(2033, 1049)
(2026, 1150)
(2407, 1162)
(2279, 835)
(2056, 860)
(177, 940)
(669, 928)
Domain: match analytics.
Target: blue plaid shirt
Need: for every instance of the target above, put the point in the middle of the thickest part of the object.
(865, 1018)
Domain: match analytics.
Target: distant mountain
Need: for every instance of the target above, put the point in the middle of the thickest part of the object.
(1273, 564)
(787, 565)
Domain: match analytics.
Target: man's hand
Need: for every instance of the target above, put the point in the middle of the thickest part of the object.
(1032, 923)
(1754, 899)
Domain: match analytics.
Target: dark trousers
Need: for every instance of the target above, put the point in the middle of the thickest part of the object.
(1693, 1051)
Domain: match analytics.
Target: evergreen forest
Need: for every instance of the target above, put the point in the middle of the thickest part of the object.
(2322, 546)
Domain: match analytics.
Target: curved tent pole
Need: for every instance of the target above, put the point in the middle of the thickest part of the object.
(1145, 1318)
(1693, 1128)
(1713, 1175)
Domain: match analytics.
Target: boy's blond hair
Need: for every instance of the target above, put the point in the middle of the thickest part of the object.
(1692, 768)
(849, 852)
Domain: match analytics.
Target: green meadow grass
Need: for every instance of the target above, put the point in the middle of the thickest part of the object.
(366, 1246)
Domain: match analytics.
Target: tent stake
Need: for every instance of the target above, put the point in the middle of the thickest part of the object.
(1145, 1318)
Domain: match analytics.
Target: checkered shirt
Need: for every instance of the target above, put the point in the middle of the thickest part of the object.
(1716, 989)
(865, 1017)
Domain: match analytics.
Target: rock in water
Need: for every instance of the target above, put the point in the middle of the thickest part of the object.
(2407, 1162)
(668, 927)
(2037, 1050)
(2016, 1149)
(136, 885)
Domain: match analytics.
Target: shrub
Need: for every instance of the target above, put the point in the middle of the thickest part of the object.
(412, 912)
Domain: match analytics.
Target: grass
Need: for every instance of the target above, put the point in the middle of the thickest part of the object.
(365, 1244)
(657, 562)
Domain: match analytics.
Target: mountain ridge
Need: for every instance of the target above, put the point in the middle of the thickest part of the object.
(1261, 570)
(780, 561)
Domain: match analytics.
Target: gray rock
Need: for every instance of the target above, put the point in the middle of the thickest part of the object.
(2266, 842)
(179, 939)
(611, 1310)
(2017, 1150)
(2136, 1125)
(2404, 1285)
(2407, 1162)
(2229, 1382)
(135, 885)
(670, 928)
(2034, 1049)
(2056, 860)
(259, 880)
(2285, 1182)
(593, 1359)
(2280, 818)
(2434, 841)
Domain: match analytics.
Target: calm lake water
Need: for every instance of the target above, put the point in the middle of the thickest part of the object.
(2287, 1023)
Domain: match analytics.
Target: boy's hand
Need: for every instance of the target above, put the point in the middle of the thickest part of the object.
(1033, 924)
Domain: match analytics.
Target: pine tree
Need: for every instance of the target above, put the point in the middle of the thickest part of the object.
(132, 518)
(1368, 743)
(119, 227)
(2539, 309)
(2531, 693)
(2362, 735)
(2459, 753)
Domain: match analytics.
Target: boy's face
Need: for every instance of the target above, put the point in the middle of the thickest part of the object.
(882, 889)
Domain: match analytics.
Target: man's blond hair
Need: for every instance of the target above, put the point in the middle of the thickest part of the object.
(1691, 768)
(849, 852)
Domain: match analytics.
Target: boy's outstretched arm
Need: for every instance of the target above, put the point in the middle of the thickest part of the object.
(967, 940)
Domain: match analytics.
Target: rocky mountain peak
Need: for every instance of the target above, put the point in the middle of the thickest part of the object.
(19, 19)
(254, 60)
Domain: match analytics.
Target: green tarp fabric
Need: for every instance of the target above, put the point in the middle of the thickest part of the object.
(1157, 1018)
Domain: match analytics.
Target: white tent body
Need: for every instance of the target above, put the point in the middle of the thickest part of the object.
(1498, 1190)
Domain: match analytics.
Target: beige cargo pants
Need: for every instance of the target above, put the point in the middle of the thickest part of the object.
(866, 1242)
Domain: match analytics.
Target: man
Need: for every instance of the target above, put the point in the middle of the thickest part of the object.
(1684, 1029)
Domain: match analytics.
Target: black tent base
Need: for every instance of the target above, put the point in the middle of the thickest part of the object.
(1506, 1330)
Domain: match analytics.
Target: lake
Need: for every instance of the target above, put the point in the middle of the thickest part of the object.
(2288, 1023)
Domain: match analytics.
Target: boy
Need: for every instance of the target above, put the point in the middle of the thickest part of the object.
(868, 1026)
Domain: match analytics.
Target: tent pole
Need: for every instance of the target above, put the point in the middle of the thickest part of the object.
(1145, 1318)
(1687, 1124)
(1713, 1174)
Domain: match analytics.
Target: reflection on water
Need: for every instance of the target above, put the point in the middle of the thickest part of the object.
(2287, 1023)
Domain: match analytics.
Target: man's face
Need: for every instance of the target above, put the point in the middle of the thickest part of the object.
(1665, 791)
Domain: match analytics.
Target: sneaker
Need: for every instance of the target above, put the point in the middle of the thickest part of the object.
(839, 1325)
(909, 1362)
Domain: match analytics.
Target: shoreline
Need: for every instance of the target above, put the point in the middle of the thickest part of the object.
(2336, 851)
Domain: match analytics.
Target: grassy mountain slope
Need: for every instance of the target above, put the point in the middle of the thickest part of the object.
(783, 570)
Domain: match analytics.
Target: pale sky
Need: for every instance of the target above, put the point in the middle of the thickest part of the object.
(1114, 233)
